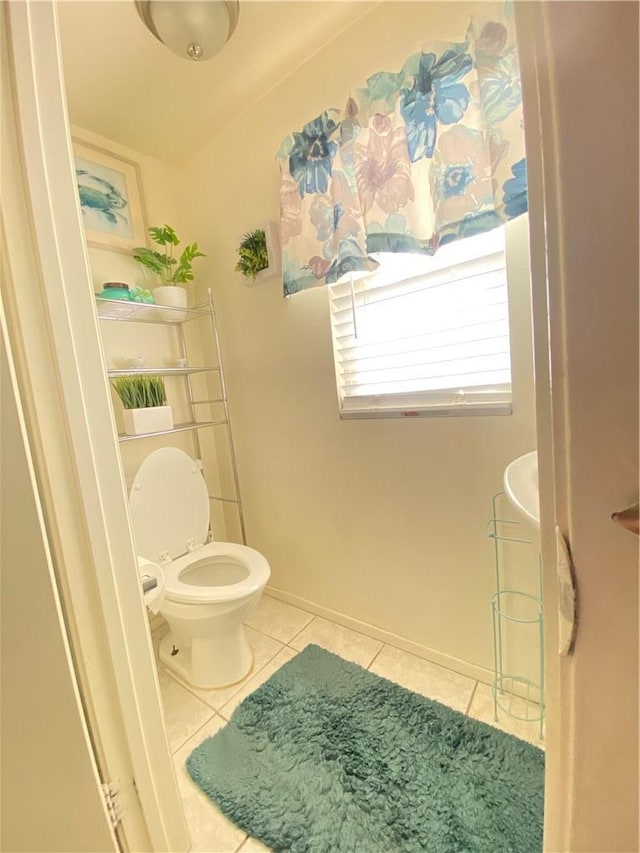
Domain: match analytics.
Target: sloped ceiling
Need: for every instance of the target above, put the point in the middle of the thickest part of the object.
(123, 84)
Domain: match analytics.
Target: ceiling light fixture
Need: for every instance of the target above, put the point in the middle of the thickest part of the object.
(193, 29)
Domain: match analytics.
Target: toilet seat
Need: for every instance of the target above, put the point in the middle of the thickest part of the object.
(253, 565)
(169, 505)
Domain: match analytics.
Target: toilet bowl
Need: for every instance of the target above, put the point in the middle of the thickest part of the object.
(209, 587)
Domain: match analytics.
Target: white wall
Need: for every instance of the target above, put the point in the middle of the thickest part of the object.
(381, 520)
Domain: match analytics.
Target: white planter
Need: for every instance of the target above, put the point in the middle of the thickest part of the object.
(173, 297)
(152, 419)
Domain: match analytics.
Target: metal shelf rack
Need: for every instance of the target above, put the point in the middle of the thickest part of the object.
(123, 436)
(157, 371)
(515, 607)
(143, 312)
(139, 312)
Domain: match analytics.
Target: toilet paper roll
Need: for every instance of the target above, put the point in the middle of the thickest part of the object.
(149, 571)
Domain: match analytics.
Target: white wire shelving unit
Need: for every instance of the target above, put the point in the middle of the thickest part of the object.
(519, 696)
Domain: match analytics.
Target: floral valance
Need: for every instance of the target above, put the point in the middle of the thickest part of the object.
(416, 159)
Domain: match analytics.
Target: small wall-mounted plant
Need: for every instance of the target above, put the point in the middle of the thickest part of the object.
(145, 404)
(258, 253)
(140, 392)
(252, 254)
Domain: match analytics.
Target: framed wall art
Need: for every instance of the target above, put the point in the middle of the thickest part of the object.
(111, 201)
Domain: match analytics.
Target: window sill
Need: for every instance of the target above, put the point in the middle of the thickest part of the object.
(466, 410)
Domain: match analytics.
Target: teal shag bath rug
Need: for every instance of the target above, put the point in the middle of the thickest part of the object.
(326, 757)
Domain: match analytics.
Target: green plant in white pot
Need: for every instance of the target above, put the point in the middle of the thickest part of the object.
(145, 404)
(172, 271)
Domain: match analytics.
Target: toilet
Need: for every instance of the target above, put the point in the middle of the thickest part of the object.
(209, 587)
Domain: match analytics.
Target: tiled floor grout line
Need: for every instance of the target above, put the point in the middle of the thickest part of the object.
(239, 847)
(375, 657)
(304, 627)
(264, 633)
(254, 672)
(195, 731)
(191, 690)
(278, 639)
(471, 698)
(260, 631)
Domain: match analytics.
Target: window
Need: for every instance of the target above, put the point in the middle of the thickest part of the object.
(426, 335)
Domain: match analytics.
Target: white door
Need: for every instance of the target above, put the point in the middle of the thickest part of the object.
(51, 798)
(580, 76)
(53, 340)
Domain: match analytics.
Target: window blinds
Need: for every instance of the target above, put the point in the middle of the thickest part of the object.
(430, 339)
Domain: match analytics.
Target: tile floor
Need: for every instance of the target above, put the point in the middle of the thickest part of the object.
(277, 632)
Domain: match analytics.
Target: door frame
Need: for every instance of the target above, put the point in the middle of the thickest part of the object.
(55, 345)
(534, 69)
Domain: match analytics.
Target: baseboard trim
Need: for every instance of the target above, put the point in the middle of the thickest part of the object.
(463, 667)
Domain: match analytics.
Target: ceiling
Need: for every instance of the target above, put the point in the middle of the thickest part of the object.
(123, 84)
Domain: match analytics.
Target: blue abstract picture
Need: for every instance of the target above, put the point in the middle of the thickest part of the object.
(103, 198)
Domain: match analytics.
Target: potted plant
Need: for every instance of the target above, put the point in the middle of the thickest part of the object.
(257, 253)
(145, 404)
(172, 271)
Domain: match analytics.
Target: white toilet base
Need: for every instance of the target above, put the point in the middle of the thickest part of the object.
(207, 662)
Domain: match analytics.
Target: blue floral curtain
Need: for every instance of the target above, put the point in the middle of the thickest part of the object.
(416, 159)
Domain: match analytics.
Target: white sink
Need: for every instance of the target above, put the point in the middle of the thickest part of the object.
(521, 486)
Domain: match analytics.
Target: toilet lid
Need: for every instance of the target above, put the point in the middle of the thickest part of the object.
(169, 505)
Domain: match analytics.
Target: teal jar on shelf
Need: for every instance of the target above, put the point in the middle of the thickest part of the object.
(115, 290)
